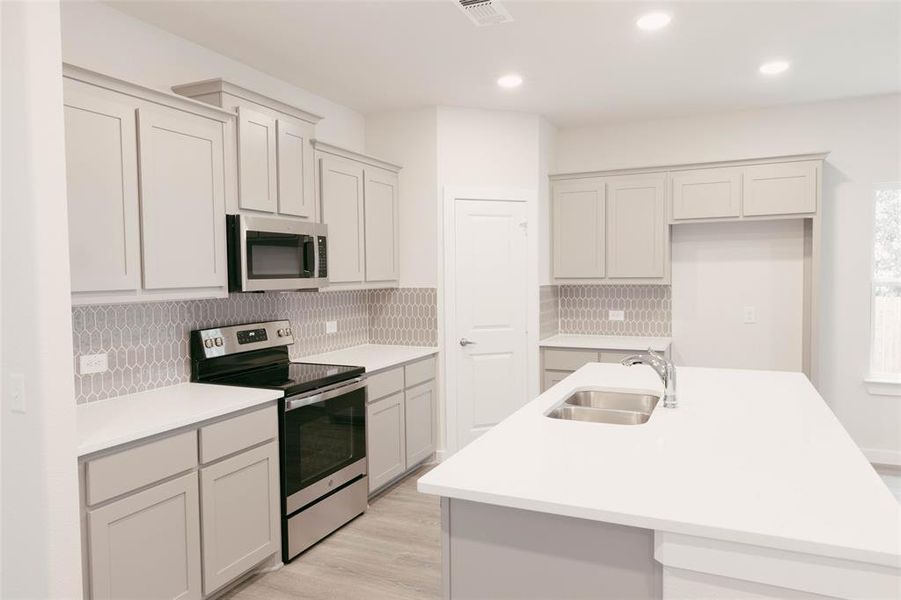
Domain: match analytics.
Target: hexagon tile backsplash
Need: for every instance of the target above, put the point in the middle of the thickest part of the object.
(147, 344)
(583, 309)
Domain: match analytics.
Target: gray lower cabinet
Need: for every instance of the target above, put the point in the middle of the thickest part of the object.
(420, 419)
(402, 420)
(386, 440)
(559, 363)
(147, 545)
(240, 514)
(158, 526)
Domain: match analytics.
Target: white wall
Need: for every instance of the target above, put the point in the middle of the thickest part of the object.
(410, 138)
(721, 268)
(547, 164)
(862, 136)
(98, 37)
(40, 543)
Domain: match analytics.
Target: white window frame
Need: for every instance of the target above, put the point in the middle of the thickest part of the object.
(880, 383)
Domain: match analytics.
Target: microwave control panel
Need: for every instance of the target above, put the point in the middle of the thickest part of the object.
(323, 256)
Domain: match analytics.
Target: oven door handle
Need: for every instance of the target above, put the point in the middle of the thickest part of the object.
(326, 395)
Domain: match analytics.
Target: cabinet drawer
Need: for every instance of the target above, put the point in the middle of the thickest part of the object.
(780, 189)
(568, 360)
(615, 356)
(227, 437)
(120, 473)
(384, 384)
(420, 371)
(706, 194)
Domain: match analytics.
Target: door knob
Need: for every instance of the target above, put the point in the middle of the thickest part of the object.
(464, 342)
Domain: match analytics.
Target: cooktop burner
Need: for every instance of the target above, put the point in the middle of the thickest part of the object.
(294, 378)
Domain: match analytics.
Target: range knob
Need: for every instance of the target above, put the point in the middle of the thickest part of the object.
(219, 341)
(208, 343)
(288, 331)
(282, 332)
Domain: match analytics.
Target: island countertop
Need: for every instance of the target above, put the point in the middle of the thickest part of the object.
(755, 457)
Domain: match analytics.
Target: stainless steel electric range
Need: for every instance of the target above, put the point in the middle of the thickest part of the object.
(322, 424)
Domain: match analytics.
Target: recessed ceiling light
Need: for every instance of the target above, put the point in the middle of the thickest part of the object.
(510, 81)
(653, 21)
(774, 67)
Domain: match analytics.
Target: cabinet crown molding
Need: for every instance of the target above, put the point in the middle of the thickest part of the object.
(219, 85)
(690, 166)
(143, 92)
(356, 156)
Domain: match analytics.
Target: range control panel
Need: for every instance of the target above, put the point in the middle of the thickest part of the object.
(222, 341)
(249, 336)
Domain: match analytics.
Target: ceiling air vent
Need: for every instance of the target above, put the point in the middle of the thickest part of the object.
(485, 12)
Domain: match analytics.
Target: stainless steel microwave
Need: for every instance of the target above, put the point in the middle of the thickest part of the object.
(272, 253)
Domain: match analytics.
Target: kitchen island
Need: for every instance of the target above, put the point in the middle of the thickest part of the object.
(750, 489)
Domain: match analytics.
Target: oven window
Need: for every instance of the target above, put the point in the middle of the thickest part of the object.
(279, 255)
(323, 438)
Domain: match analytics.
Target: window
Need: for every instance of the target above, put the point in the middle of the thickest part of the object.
(885, 354)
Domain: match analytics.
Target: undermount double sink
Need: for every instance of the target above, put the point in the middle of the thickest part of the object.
(604, 406)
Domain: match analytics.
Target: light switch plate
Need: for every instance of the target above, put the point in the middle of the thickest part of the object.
(331, 326)
(616, 315)
(750, 315)
(93, 363)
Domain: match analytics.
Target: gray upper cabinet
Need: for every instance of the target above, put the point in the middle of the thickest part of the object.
(295, 169)
(579, 229)
(636, 227)
(381, 223)
(341, 190)
(257, 167)
(102, 188)
(359, 200)
(706, 194)
(147, 184)
(781, 188)
(276, 171)
(182, 200)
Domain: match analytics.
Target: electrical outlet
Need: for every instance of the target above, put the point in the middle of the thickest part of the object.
(750, 315)
(616, 315)
(17, 393)
(331, 326)
(93, 363)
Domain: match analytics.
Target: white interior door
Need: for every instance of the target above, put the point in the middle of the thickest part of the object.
(490, 303)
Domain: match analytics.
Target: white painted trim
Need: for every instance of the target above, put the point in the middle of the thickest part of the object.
(881, 456)
(882, 386)
(353, 155)
(220, 86)
(447, 288)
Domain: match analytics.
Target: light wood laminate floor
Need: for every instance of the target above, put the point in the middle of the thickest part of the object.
(393, 551)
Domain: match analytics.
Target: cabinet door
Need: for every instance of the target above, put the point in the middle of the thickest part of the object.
(420, 417)
(780, 189)
(295, 169)
(241, 513)
(182, 200)
(256, 161)
(636, 226)
(341, 186)
(385, 440)
(102, 189)
(706, 194)
(578, 229)
(552, 378)
(147, 545)
(381, 234)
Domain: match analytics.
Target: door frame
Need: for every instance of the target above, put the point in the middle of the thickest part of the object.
(447, 317)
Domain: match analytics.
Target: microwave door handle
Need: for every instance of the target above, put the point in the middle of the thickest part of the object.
(309, 256)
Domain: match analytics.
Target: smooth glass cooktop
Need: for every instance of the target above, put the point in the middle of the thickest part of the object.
(294, 377)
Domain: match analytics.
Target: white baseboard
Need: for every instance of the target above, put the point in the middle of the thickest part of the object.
(440, 455)
(879, 456)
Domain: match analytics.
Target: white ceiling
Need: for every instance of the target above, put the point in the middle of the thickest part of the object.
(582, 61)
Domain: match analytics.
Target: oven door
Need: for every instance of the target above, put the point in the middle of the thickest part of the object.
(276, 254)
(323, 442)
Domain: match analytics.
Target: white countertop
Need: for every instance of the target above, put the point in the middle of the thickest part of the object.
(754, 457)
(372, 357)
(606, 342)
(108, 423)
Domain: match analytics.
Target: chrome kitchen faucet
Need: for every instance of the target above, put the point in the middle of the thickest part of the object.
(664, 368)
